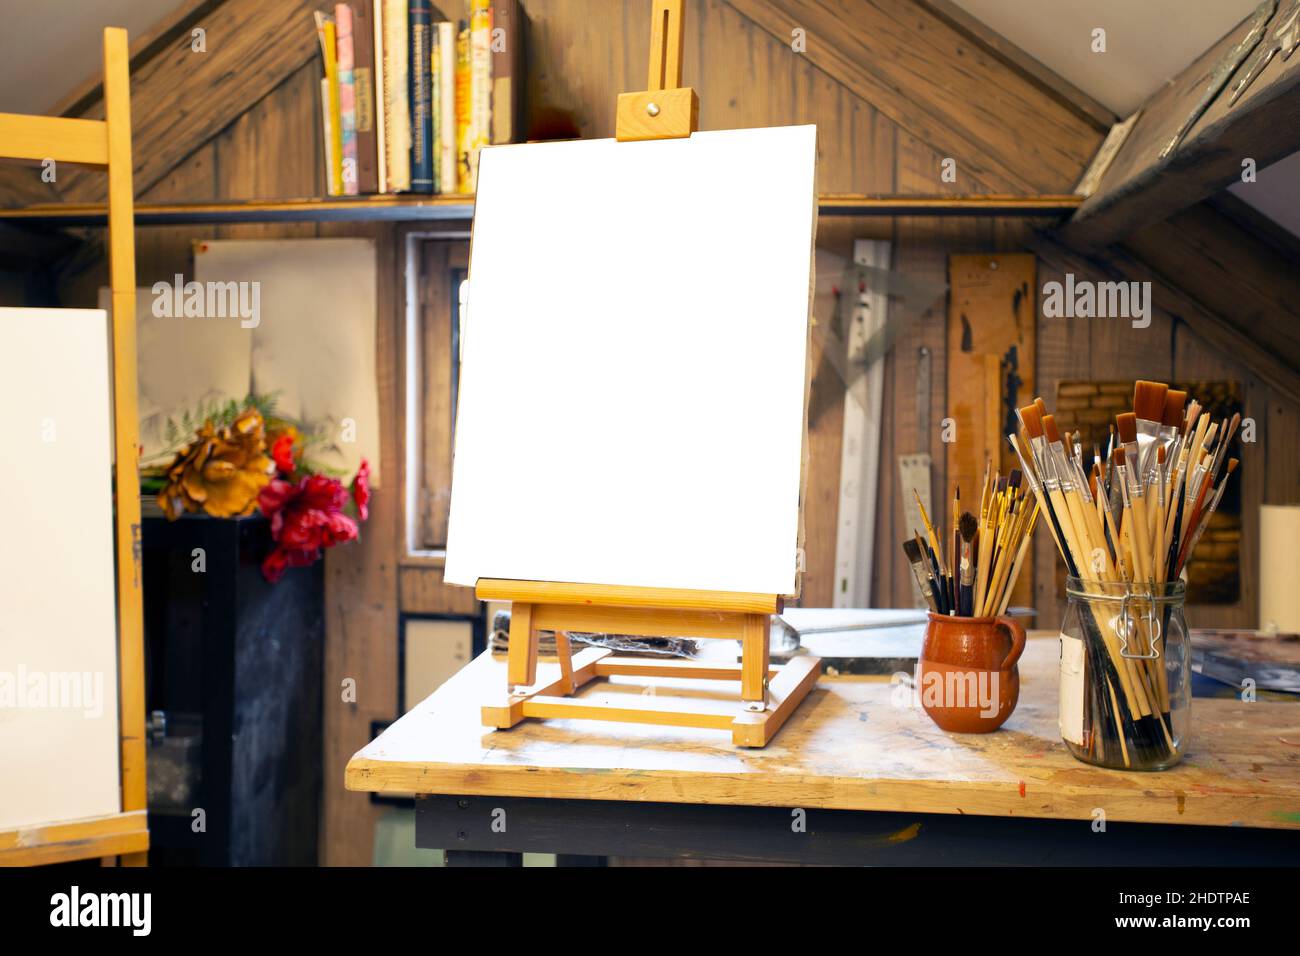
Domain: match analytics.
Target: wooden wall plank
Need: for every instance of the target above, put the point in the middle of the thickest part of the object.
(940, 86)
(181, 99)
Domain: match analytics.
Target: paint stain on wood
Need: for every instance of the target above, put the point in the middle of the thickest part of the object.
(1022, 788)
(1182, 802)
(967, 345)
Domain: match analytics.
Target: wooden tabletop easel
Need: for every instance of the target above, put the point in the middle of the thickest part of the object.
(768, 695)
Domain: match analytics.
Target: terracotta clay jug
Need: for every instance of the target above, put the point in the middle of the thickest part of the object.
(967, 677)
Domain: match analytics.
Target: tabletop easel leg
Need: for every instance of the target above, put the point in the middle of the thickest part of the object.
(522, 658)
(565, 653)
(755, 661)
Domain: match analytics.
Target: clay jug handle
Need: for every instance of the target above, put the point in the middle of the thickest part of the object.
(1017, 641)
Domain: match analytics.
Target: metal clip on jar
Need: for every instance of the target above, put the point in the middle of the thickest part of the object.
(1125, 674)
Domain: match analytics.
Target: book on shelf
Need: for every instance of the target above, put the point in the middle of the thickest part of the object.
(363, 75)
(410, 98)
(330, 105)
(347, 96)
(446, 132)
(397, 68)
(421, 97)
(480, 53)
(507, 69)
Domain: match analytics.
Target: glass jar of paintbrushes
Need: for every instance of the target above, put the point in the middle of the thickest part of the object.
(1125, 682)
(1126, 527)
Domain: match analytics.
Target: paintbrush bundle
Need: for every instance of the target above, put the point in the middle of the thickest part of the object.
(1126, 527)
(985, 552)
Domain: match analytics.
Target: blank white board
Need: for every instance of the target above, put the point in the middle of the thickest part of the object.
(634, 365)
(58, 623)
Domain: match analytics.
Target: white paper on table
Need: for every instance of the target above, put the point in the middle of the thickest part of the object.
(315, 342)
(632, 392)
(58, 621)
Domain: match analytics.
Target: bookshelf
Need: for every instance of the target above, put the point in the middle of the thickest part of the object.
(422, 208)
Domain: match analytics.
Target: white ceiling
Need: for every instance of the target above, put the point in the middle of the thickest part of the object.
(1148, 42)
(47, 47)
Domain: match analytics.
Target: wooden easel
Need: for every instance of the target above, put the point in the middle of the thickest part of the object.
(768, 695)
(104, 144)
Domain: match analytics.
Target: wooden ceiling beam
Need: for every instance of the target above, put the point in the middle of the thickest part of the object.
(1005, 131)
(181, 99)
(1140, 187)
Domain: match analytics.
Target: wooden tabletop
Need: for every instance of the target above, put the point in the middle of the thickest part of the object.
(849, 746)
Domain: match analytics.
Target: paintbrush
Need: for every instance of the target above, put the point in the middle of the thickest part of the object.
(913, 551)
(936, 577)
(1149, 411)
(1205, 521)
(967, 526)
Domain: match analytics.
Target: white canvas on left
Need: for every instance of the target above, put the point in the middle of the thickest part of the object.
(58, 623)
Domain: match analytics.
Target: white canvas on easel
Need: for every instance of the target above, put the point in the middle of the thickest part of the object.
(634, 374)
(58, 620)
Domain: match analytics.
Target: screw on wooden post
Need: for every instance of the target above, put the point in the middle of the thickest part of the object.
(665, 109)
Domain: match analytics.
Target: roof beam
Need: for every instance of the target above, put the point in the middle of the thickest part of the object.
(180, 99)
(1005, 130)
(1140, 187)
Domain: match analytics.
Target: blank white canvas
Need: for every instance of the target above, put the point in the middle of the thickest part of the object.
(57, 588)
(633, 381)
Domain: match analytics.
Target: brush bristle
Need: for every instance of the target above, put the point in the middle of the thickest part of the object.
(1050, 430)
(1161, 454)
(1232, 465)
(913, 551)
(1040, 405)
(1127, 423)
(1119, 455)
(1014, 479)
(1149, 400)
(1002, 483)
(1174, 402)
(968, 525)
(1032, 419)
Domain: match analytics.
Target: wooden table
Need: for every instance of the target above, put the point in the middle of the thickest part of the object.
(855, 744)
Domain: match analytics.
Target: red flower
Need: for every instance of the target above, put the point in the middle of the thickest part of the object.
(305, 518)
(361, 490)
(282, 453)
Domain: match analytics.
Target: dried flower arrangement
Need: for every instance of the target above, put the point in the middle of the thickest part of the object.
(224, 470)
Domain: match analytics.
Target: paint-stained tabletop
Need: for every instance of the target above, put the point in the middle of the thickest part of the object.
(854, 744)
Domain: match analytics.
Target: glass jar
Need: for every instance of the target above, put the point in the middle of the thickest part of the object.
(1125, 674)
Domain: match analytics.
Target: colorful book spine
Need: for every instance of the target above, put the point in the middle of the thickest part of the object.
(381, 110)
(421, 18)
(480, 40)
(334, 146)
(363, 75)
(447, 108)
(327, 136)
(435, 105)
(507, 69)
(347, 96)
(463, 179)
(397, 121)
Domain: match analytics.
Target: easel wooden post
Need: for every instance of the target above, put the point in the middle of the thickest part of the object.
(105, 144)
(665, 110)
